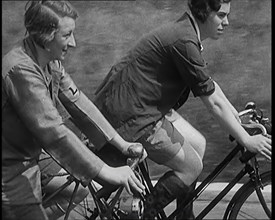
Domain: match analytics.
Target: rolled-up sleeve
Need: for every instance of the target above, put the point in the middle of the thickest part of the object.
(191, 65)
(29, 95)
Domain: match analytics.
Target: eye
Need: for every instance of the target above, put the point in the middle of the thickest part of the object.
(221, 15)
(68, 35)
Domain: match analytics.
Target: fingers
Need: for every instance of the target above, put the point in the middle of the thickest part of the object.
(266, 148)
(266, 155)
(133, 183)
(140, 187)
(268, 139)
(127, 187)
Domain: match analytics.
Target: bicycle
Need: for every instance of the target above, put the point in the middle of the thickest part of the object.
(114, 207)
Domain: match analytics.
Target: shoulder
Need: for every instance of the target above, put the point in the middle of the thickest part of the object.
(17, 61)
(173, 33)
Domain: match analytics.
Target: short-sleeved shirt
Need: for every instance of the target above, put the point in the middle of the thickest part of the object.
(161, 69)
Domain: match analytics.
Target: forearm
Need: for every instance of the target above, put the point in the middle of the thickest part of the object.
(74, 156)
(221, 94)
(219, 108)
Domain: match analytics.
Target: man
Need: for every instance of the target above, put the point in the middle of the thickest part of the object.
(140, 94)
(34, 85)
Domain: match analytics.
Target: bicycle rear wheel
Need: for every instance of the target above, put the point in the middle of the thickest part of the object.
(252, 203)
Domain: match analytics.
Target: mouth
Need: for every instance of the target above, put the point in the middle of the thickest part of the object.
(220, 31)
(64, 51)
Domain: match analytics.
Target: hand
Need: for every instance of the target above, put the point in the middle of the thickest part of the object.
(260, 144)
(121, 176)
(135, 150)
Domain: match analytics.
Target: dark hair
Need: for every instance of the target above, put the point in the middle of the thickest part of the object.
(42, 18)
(202, 8)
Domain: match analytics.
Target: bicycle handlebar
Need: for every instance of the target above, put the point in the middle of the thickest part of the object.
(257, 125)
(246, 111)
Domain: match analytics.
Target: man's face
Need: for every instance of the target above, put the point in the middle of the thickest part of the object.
(216, 21)
(64, 38)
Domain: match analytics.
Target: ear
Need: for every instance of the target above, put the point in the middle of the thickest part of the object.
(46, 47)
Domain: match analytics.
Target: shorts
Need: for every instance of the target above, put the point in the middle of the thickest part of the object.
(48, 167)
(163, 142)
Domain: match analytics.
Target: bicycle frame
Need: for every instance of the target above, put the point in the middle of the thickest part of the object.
(100, 196)
(248, 169)
(106, 210)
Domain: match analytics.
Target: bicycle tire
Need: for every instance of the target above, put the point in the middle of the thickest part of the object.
(246, 204)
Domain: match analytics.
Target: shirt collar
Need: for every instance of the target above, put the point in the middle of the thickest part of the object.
(30, 49)
(196, 27)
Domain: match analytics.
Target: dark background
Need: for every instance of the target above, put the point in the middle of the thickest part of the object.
(240, 61)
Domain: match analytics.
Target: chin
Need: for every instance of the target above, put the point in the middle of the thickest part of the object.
(61, 58)
(215, 37)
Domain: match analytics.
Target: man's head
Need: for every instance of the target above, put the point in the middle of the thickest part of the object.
(212, 16)
(50, 21)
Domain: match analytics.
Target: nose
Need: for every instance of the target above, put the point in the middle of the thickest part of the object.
(72, 42)
(225, 21)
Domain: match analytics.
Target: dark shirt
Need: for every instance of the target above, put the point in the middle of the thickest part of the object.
(161, 69)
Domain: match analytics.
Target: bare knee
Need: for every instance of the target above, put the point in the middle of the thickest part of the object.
(190, 173)
(200, 145)
(187, 165)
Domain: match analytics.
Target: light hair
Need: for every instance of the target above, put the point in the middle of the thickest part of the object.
(42, 19)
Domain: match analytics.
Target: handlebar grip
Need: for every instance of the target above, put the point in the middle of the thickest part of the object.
(247, 156)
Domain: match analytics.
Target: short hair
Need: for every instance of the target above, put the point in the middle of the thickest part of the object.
(42, 19)
(202, 8)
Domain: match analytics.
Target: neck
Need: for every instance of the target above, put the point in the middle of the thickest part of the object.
(43, 56)
(202, 30)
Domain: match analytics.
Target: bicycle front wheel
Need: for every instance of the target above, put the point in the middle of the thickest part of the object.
(253, 203)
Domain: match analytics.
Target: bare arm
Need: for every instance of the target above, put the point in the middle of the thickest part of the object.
(221, 94)
(220, 109)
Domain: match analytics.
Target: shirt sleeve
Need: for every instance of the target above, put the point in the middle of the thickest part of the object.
(29, 95)
(84, 113)
(190, 64)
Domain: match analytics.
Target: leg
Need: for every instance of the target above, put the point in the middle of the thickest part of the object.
(198, 142)
(166, 145)
(55, 208)
(24, 212)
